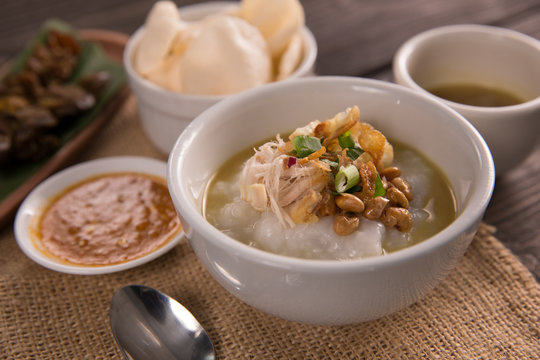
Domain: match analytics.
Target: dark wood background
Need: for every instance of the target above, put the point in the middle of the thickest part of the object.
(355, 38)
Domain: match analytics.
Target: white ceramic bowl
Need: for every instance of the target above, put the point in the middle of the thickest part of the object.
(164, 114)
(484, 55)
(330, 292)
(26, 226)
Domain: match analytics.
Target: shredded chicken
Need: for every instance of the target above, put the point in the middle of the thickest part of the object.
(284, 186)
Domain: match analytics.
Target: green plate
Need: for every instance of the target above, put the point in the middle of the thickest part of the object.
(101, 50)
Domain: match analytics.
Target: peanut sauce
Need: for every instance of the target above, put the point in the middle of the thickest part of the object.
(109, 219)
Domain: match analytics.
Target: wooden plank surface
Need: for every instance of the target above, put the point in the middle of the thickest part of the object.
(355, 38)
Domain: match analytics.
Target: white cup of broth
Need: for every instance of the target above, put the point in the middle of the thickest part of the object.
(488, 74)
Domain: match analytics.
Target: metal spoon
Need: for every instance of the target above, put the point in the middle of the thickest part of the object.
(147, 324)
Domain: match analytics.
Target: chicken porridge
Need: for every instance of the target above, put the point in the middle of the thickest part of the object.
(336, 189)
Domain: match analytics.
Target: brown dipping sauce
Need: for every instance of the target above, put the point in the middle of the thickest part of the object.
(109, 219)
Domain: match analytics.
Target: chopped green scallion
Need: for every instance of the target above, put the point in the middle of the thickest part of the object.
(346, 178)
(379, 187)
(346, 140)
(354, 152)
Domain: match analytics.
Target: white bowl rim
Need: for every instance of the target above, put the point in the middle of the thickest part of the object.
(33, 206)
(464, 222)
(304, 67)
(402, 56)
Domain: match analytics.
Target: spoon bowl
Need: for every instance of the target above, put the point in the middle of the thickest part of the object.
(148, 324)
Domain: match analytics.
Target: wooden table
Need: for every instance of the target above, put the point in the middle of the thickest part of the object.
(355, 38)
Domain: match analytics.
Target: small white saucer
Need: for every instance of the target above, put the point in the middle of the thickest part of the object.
(27, 219)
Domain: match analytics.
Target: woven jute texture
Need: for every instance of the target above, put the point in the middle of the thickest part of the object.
(487, 308)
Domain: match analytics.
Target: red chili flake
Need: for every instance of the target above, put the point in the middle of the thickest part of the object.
(292, 161)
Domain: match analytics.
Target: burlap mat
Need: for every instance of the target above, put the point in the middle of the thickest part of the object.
(488, 308)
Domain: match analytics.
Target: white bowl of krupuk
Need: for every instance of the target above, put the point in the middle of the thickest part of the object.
(490, 75)
(182, 61)
(368, 197)
(100, 216)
